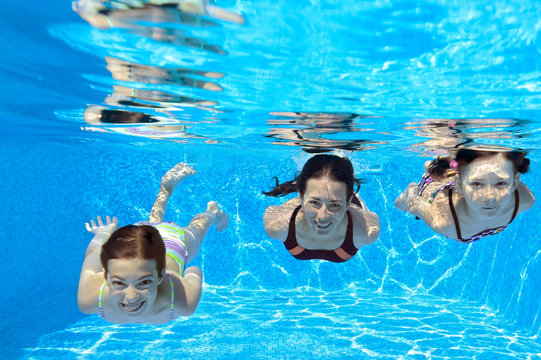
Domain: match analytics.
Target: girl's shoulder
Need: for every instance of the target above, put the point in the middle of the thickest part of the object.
(88, 294)
(527, 200)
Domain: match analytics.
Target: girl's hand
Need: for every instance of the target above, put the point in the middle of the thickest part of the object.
(109, 227)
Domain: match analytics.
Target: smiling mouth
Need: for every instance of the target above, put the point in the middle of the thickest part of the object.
(322, 227)
(132, 308)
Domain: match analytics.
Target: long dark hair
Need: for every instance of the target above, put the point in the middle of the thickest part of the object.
(134, 241)
(439, 167)
(338, 168)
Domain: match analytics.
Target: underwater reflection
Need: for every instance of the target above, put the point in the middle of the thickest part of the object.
(156, 101)
(138, 73)
(319, 132)
(158, 20)
(445, 134)
(470, 194)
(113, 120)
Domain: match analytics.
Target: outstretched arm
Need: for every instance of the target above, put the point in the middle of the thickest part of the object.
(435, 215)
(91, 271)
(169, 181)
(188, 291)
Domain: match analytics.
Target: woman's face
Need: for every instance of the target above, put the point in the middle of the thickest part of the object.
(133, 285)
(324, 203)
(488, 184)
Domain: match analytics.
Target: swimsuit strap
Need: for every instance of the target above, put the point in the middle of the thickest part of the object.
(172, 306)
(291, 240)
(348, 245)
(357, 202)
(517, 202)
(346, 250)
(453, 212)
(100, 299)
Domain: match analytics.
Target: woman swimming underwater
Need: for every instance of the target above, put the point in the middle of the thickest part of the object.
(327, 220)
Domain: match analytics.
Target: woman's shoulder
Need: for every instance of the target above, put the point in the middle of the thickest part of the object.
(276, 219)
(366, 225)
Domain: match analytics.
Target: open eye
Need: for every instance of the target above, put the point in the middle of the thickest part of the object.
(476, 184)
(118, 284)
(314, 203)
(335, 206)
(145, 282)
(502, 184)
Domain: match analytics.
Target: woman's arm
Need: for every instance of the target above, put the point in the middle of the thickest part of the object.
(276, 219)
(366, 225)
(92, 272)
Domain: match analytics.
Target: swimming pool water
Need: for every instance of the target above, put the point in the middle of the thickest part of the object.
(400, 70)
(304, 323)
(411, 294)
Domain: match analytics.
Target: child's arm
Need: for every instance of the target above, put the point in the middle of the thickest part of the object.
(188, 291)
(92, 272)
(435, 215)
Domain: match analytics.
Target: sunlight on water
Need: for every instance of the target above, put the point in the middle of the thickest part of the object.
(304, 323)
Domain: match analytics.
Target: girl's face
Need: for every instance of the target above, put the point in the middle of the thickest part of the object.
(133, 285)
(324, 203)
(488, 184)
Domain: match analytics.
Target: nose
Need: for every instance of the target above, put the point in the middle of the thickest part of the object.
(323, 213)
(131, 294)
(490, 195)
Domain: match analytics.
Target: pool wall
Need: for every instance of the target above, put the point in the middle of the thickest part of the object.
(51, 189)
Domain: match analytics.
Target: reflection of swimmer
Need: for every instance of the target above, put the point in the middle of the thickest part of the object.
(481, 193)
(313, 127)
(148, 74)
(445, 134)
(120, 14)
(327, 220)
(145, 125)
(136, 274)
(139, 17)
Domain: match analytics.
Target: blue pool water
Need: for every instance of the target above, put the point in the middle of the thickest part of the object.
(403, 69)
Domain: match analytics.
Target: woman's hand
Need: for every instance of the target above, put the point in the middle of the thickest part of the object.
(108, 228)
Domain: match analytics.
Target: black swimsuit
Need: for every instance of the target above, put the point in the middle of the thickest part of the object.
(345, 252)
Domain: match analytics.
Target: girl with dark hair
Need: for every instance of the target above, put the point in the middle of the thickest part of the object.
(470, 196)
(327, 221)
(136, 273)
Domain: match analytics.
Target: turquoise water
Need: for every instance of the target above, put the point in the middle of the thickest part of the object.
(392, 85)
